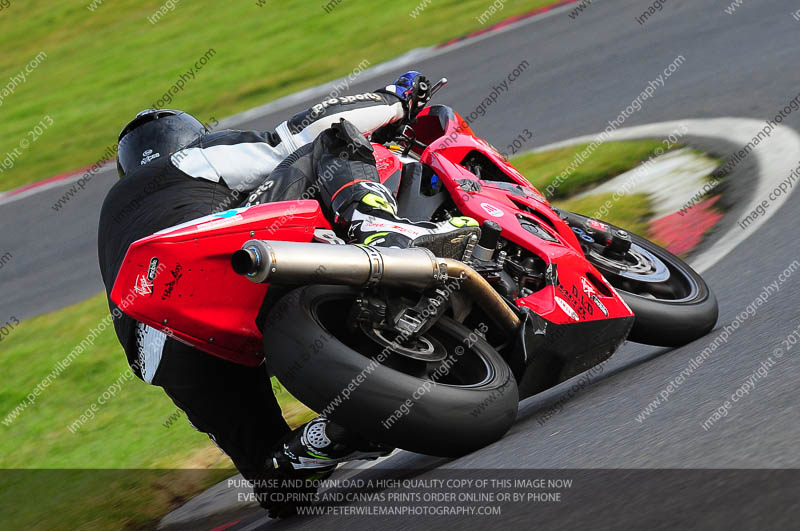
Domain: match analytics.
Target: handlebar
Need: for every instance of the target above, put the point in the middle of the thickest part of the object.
(410, 139)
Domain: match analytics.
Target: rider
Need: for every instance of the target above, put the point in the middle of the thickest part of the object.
(173, 170)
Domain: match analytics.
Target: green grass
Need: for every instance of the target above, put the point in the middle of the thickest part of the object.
(104, 66)
(607, 161)
(630, 213)
(127, 433)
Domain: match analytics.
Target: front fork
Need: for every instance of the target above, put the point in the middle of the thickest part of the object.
(615, 241)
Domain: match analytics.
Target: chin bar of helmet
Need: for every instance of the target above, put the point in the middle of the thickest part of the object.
(361, 266)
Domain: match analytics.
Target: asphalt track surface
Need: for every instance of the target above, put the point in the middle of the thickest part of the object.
(583, 73)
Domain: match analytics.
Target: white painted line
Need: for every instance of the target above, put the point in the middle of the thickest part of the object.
(5, 198)
(776, 157)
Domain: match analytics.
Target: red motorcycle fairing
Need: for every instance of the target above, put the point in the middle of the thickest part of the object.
(389, 167)
(197, 298)
(578, 292)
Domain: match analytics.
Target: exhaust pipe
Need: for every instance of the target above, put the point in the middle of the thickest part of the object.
(348, 265)
(361, 266)
(483, 294)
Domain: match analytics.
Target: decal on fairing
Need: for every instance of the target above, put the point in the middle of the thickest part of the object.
(492, 210)
(587, 287)
(591, 292)
(564, 305)
(153, 269)
(143, 287)
(600, 305)
(220, 218)
(176, 273)
(578, 300)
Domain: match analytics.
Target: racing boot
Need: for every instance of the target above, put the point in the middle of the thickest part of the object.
(320, 445)
(374, 221)
(304, 457)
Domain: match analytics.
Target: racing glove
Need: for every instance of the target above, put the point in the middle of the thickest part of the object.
(414, 90)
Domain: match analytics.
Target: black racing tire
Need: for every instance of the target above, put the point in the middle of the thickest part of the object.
(663, 321)
(309, 349)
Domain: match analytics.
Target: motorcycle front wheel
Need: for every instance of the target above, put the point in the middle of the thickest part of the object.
(672, 303)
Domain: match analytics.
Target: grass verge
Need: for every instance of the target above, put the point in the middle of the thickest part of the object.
(631, 214)
(104, 61)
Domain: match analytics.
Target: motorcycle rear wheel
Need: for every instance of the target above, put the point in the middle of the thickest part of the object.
(446, 408)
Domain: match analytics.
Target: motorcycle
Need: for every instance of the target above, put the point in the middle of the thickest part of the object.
(403, 347)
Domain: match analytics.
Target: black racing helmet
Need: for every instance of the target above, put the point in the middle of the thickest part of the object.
(155, 133)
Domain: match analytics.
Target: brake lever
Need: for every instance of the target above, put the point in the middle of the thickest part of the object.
(437, 87)
(411, 139)
(433, 90)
